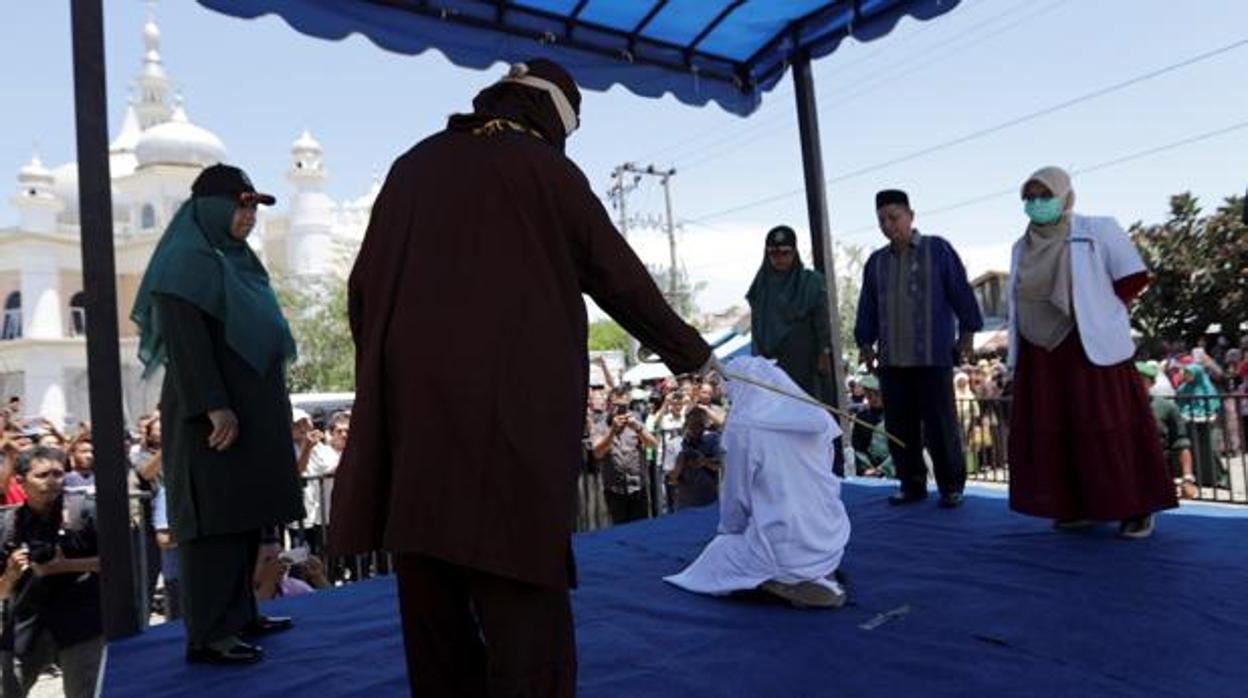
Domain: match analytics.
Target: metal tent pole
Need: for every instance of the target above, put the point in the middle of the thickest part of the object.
(817, 208)
(117, 582)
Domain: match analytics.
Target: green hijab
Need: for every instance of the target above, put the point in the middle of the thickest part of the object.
(200, 262)
(1200, 387)
(778, 302)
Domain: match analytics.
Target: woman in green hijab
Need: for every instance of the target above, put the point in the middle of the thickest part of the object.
(207, 314)
(789, 320)
(789, 315)
(1200, 406)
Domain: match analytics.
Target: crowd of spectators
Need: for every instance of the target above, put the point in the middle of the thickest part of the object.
(47, 472)
(649, 449)
(1200, 397)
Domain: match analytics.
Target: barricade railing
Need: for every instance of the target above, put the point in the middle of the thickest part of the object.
(313, 532)
(1215, 427)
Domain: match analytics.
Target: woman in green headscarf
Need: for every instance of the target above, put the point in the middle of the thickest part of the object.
(206, 313)
(789, 315)
(1199, 404)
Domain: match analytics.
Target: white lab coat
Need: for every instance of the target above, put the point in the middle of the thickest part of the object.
(1100, 254)
(781, 515)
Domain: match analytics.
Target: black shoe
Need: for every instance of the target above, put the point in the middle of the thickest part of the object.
(898, 498)
(239, 653)
(267, 625)
(951, 500)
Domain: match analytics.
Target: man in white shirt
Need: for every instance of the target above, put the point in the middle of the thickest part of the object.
(321, 464)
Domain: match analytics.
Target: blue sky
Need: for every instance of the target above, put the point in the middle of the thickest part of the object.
(258, 84)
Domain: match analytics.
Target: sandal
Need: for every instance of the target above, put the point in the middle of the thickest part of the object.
(1189, 489)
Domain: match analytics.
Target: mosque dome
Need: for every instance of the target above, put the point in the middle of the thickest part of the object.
(35, 174)
(179, 142)
(65, 188)
(306, 144)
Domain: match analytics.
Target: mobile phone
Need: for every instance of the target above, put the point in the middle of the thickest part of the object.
(294, 556)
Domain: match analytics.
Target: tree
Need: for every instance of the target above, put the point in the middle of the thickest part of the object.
(1199, 266)
(607, 335)
(316, 309)
(849, 262)
(685, 303)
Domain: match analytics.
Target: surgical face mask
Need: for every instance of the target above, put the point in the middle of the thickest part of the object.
(1043, 211)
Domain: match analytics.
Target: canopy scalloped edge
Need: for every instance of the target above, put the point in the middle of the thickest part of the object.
(599, 57)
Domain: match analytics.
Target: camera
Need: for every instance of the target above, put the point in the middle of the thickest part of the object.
(41, 551)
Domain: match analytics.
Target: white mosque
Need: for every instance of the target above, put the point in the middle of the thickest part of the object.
(156, 155)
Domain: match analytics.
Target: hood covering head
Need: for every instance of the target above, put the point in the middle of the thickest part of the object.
(538, 94)
(200, 262)
(759, 408)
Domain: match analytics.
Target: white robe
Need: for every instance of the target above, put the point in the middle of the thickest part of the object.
(780, 510)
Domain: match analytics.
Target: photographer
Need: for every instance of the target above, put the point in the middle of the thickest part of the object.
(696, 475)
(619, 447)
(50, 581)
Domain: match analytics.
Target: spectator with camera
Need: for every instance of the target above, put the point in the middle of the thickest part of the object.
(291, 572)
(619, 447)
(696, 475)
(319, 467)
(51, 581)
(708, 398)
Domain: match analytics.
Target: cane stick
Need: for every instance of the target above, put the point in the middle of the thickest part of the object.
(809, 401)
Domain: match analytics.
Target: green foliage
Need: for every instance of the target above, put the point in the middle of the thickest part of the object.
(607, 335)
(849, 262)
(1199, 266)
(685, 300)
(317, 312)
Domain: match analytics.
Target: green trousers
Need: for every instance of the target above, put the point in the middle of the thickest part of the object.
(218, 592)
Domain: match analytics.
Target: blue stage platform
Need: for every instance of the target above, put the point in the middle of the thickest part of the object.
(971, 602)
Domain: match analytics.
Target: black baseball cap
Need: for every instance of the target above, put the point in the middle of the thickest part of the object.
(781, 236)
(230, 182)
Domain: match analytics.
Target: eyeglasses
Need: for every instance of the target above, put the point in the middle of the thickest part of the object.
(779, 251)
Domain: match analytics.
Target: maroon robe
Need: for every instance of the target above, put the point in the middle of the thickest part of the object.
(471, 372)
(1083, 440)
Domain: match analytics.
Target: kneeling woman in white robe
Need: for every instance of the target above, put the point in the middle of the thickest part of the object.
(782, 526)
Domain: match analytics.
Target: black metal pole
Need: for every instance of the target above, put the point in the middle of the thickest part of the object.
(817, 208)
(95, 204)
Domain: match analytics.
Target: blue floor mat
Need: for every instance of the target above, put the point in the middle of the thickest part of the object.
(976, 601)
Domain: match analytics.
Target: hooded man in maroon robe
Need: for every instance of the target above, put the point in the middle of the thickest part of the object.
(470, 335)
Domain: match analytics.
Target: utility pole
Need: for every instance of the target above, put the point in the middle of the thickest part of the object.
(674, 291)
(618, 193)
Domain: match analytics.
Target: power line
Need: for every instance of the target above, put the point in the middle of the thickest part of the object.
(872, 83)
(1030, 116)
(1117, 87)
(1103, 165)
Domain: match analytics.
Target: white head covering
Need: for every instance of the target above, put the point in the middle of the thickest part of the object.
(759, 408)
(519, 74)
(1045, 315)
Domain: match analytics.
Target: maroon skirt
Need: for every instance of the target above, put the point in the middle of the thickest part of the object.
(1083, 440)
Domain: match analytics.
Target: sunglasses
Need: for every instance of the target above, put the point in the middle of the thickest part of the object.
(779, 251)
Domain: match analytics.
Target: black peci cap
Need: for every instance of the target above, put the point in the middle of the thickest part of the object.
(891, 196)
(230, 182)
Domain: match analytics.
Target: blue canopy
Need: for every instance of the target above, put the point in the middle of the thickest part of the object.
(726, 51)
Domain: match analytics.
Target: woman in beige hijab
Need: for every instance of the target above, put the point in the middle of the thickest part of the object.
(1084, 444)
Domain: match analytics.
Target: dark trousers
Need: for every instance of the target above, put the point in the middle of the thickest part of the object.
(471, 633)
(627, 507)
(216, 575)
(919, 410)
